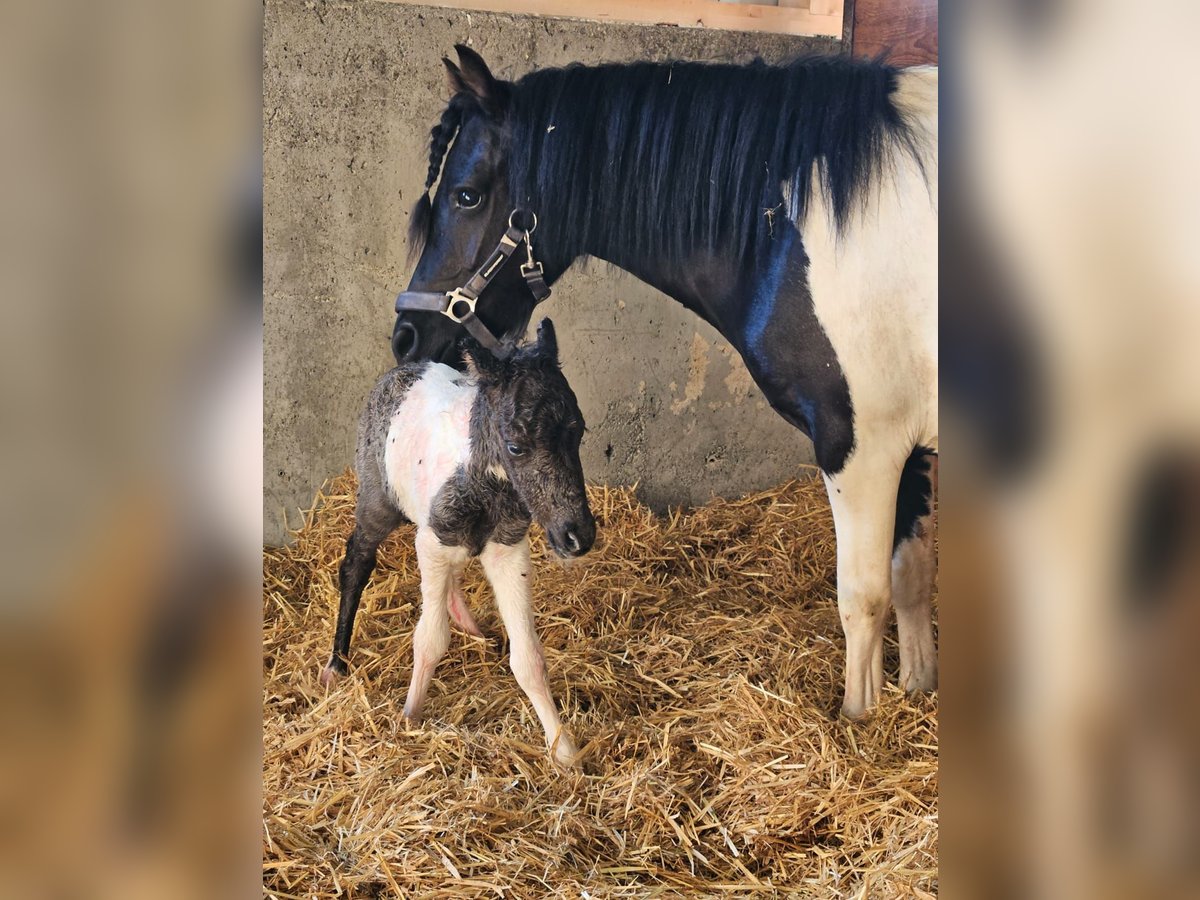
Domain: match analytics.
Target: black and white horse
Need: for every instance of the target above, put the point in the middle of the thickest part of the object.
(794, 208)
(471, 459)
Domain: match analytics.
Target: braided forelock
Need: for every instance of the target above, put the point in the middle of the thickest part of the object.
(440, 138)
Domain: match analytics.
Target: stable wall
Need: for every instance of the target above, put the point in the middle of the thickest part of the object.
(350, 91)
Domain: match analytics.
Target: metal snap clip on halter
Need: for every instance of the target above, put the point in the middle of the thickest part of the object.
(531, 264)
(459, 307)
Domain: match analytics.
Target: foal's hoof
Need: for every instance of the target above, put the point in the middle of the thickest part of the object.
(333, 672)
(855, 712)
(566, 754)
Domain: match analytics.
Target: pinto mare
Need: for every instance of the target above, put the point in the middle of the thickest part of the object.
(470, 459)
(792, 207)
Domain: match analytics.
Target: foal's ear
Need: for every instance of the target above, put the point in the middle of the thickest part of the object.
(547, 341)
(474, 77)
(482, 365)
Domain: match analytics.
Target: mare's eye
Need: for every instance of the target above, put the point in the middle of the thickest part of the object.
(465, 198)
(516, 449)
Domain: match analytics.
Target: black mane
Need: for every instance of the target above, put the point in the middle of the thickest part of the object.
(664, 159)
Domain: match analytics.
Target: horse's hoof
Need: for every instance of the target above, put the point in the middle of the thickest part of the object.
(566, 754)
(855, 712)
(333, 672)
(919, 684)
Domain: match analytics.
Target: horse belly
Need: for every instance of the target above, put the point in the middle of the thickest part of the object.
(428, 440)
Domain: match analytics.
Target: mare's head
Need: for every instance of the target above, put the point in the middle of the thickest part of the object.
(461, 226)
(530, 426)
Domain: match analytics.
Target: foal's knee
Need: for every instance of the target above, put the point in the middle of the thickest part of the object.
(431, 638)
(529, 668)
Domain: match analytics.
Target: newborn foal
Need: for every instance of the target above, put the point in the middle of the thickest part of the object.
(470, 459)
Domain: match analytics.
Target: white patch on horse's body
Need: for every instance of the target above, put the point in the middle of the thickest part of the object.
(874, 291)
(428, 439)
(874, 287)
(497, 471)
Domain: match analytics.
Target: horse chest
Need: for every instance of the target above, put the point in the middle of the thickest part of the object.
(428, 440)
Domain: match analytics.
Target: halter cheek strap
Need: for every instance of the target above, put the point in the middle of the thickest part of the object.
(458, 304)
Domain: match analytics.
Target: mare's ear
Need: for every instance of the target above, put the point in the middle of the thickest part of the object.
(547, 341)
(454, 78)
(482, 365)
(476, 78)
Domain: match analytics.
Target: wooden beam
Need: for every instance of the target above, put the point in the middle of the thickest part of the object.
(684, 13)
(907, 30)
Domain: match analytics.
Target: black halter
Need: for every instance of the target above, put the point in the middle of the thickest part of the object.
(458, 304)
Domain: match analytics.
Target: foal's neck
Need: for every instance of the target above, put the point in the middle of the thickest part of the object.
(484, 430)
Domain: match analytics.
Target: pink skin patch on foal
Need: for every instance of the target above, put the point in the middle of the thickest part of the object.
(460, 612)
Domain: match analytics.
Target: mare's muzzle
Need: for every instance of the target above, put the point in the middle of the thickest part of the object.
(458, 305)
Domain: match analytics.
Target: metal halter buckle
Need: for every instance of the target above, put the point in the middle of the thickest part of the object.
(512, 221)
(454, 298)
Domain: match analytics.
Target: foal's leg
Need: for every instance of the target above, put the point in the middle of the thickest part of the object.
(374, 521)
(863, 497)
(912, 575)
(508, 569)
(438, 564)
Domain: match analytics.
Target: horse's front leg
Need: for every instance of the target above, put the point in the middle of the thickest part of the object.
(863, 497)
(438, 564)
(509, 570)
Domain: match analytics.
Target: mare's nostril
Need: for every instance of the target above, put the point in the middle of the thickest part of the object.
(404, 341)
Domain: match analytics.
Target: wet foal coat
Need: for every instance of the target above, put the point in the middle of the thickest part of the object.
(470, 459)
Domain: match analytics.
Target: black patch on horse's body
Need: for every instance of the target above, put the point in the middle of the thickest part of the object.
(914, 497)
(475, 507)
(790, 356)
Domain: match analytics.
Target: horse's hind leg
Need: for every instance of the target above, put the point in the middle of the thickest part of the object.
(438, 563)
(373, 522)
(863, 497)
(912, 574)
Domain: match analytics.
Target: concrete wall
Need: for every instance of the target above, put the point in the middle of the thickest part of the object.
(350, 91)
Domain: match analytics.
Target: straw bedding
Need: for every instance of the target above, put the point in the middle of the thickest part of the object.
(697, 659)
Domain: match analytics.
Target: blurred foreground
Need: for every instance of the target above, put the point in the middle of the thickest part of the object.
(130, 269)
(1070, 489)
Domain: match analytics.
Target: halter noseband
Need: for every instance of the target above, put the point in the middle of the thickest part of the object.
(458, 305)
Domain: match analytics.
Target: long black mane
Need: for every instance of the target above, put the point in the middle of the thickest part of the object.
(670, 158)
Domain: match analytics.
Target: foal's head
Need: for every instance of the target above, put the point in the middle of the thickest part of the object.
(529, 426)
